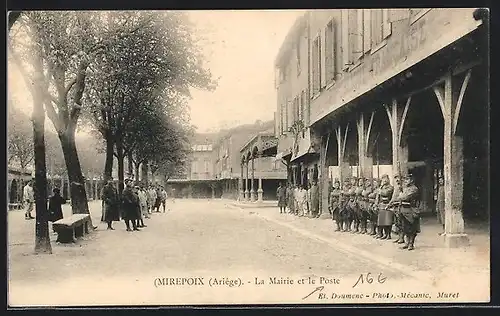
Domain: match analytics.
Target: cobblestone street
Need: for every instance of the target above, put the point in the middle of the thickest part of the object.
(195, 238)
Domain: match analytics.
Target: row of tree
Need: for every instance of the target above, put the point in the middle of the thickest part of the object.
(124, 76)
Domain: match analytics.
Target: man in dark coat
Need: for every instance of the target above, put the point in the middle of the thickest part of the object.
(281, 195)
(395, 207)
(110, 203)
(55, 206)
(335, 204)
(410, 215)
(130, 206)
(385, 216)
(314, 191)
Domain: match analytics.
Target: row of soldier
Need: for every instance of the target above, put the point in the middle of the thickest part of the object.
(360, 202)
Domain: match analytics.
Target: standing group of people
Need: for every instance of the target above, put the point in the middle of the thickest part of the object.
(360, 202)
(137, 202)
(299, 200)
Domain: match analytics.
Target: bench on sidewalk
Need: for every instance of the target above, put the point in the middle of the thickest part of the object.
(68, 229)
(15, 206)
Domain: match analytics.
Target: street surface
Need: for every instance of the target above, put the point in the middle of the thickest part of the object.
(194, 239)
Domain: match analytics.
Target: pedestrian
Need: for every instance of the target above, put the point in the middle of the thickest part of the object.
(281, 195)
(173, 195)
(163, 198)
(385, 216)
(151, 199)
(290, 199)
(111, 203)
(410, 215)
(373, 207)
(301, 200)
(335, 203)
(314, 199)
(55, 205)
(143, 199)
(307, 204)
(142, 206)
(130, 206)
(395, 208)
(158, 199)
(440, 202)
(29, 199)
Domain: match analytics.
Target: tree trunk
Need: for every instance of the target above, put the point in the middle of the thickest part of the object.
(137, 165)
(42, 238)
(145, 171)
(130, 164)
(79, 204)
(108, 166)
(120, 158)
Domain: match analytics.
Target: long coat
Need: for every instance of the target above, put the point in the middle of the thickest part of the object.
(131, 206)
(55, 208)
(314, 193)
(281, 194)
(110, 204)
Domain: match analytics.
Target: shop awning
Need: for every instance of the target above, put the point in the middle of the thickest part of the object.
(281, 155)
(302, 153)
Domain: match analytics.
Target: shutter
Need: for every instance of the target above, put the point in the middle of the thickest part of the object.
(322, 59)
(387, 25)
(333, 46)
(359, 34)
(367, 32)
(345, 38)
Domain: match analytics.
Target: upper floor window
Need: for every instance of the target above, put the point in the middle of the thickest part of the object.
(316, 65)
(206, 163)
(380, 26)
(330, 63)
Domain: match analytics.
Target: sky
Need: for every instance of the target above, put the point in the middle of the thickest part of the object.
(239, 48)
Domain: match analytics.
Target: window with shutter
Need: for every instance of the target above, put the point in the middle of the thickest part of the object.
(316, 63)
(367, 40)
(359, 33)
(345, 38)
(386, 24)
(330, 52)
(377, 27)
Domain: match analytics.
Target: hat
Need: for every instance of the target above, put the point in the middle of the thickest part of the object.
(385, 176)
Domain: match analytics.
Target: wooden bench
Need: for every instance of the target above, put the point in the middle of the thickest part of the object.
(68, 229)
(15, 206)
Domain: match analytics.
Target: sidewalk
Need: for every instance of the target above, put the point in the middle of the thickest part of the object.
(256, 204)
(430, 257)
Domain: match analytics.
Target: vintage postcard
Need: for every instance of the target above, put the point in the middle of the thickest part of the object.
(248, 157)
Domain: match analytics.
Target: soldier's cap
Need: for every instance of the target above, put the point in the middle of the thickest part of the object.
(409, 176)
(385, 176)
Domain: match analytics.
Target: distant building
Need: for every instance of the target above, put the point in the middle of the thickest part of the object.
(228, 161)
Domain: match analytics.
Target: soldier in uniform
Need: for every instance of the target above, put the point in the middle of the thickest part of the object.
(394, 206)
(351, 204)
(335, 203)
(373, 210)
(344, 206)
(365, 206)
(358, 205)
(409, 213)
(384, 220)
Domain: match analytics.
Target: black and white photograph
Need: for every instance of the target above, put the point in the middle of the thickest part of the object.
(248, 157)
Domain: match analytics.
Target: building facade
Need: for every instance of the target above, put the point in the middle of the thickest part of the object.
(228, 161)
(390, 91)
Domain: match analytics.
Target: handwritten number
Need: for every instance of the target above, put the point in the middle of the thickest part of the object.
(369, 279)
